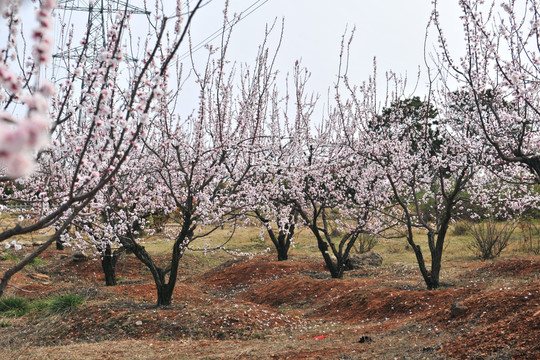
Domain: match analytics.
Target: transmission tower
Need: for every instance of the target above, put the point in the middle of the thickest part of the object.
(97, 11)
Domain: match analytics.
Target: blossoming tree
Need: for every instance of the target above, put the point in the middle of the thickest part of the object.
(499, 74)
(95, 128)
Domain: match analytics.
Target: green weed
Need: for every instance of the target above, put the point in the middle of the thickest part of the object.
(14, 306)
(66, 302)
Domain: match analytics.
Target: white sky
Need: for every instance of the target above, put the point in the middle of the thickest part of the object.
(393, 31)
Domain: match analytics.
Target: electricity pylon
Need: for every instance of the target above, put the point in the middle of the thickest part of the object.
(96, 25)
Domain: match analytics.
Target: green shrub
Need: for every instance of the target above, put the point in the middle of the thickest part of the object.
(530, 239)
(490, 238)
(14, 306)
(65, 303)
(460, 229)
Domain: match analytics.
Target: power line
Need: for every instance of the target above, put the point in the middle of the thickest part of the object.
(189, 12)
(244, 14)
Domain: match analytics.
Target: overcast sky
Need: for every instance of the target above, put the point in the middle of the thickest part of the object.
(393, 31)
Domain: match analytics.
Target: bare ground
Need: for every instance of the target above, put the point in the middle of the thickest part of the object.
(264, 309)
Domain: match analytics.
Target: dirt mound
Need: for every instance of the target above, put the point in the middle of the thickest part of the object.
(491, 306)
(299, 290)
(256, 270)
(147, 292)
(111, 321)
(505, 322)
(128, 266)
(512, 267)
(518, 334)
(261, 308)
(361, 305)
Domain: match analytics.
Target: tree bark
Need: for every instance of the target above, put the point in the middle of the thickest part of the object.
(108, 264)
(282, 253)
(323, 248)
(164, 294)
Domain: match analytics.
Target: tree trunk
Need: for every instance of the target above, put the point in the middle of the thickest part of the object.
(59, 245)
(323, 248)
(431, 283)
(108, 263)
(164, 294)
(283, 243)
(109, 271)
(282, 254)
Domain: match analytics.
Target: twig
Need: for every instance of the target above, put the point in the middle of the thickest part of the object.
(18, 288)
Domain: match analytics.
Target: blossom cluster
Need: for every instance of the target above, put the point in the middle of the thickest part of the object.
(21, 137)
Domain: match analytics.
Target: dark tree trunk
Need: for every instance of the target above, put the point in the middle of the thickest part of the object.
(534, 165)
(108, 263)
(164, 294)
(323, 248)
(109, 270)
(282, 242)
(282, 254)
(431, 281)
(164, 287)
(59, 244)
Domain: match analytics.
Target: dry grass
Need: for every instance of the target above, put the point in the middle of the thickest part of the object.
(274, 347)
(252, 240)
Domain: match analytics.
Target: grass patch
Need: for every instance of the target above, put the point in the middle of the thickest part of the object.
(37, 262)
(9, 256)
(39, 306)
(14, 306)
(18, 306)
(65, 303)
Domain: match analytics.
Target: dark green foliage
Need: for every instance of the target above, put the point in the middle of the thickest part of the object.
(412, 119)
(40, 306)
(18, 306)
(37, 262)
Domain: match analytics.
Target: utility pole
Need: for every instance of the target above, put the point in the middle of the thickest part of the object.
(97, 11)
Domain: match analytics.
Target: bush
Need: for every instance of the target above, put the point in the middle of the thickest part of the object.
(460, 229)
(530, 241)
(365, 243)
(490, 238)
(65, 303)
(14, 306)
